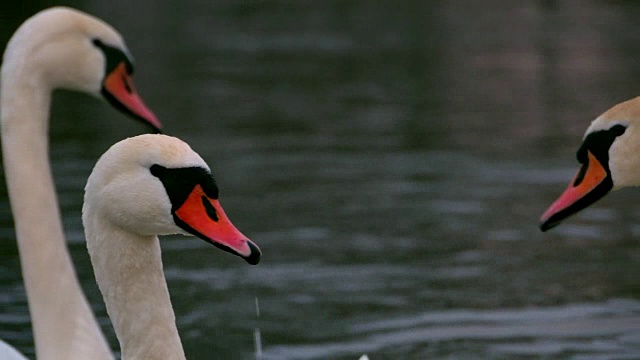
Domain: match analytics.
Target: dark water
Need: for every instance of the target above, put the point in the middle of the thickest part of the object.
(391, 159)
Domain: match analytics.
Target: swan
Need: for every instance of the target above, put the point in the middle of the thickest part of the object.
(609, 161)
(142, 187)
(8, 352)
(56, 48)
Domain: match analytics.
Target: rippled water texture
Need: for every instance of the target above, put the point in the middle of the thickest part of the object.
(391, 159)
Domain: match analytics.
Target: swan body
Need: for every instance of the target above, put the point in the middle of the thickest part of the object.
(610, 159)
(142, 187)
(56, 48)
(8, 352)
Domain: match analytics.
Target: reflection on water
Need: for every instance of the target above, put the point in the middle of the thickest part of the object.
(602, 330)
(391, 160)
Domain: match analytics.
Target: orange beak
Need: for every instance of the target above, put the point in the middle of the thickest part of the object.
(205, 218)
(590, 184)
(118, 88)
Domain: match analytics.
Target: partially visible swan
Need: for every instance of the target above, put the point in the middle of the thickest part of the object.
(56, 48)
(610, 158)
(8, 352)
(142, 187)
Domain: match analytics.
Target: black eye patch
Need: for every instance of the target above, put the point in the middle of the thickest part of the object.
(179, 183)
(114, 57)
(599, 143)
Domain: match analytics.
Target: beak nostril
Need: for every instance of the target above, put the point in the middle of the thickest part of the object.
(127, 85)
(211, 211)
(581, 173)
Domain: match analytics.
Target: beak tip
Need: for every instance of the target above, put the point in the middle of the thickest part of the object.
(254, 256)
(549, 222)
(544, 226)
(155, 123)
(151, 120)
(156, 129)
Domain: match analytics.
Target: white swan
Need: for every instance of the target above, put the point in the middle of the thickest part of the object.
(56, 48)
(610, 158)
(142, 187)
(8, 352)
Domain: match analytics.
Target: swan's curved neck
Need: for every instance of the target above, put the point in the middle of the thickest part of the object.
(128, 269)
(24, 102)
(49, 276)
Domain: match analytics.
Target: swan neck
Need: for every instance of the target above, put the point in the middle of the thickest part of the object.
(48, 272)
(25, 97)
(128, 269)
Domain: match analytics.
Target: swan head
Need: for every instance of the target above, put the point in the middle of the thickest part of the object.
(610, 159)
(65, 48)
(156, 185)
